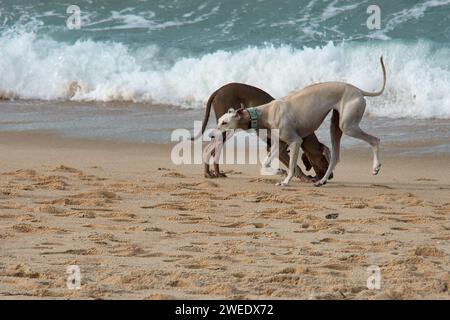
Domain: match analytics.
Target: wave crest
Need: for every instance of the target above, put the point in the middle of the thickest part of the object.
(42, 68)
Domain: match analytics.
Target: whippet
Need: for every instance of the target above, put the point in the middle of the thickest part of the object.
(237, 95)
(301, 113)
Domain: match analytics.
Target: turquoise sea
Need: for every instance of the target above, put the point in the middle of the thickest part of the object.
(165, 58)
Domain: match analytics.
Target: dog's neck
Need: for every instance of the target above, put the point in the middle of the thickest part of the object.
(253, 118)
(245, 122)
(262, 117)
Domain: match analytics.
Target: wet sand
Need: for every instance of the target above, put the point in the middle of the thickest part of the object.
(140, 227)
(155, 123)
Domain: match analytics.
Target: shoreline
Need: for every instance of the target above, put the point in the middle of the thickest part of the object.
(44, 137)
(154, 123)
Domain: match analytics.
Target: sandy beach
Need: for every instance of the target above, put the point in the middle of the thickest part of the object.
(140, 227)
(95, 95)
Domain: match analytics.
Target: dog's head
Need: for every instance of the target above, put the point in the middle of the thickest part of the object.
(230, 120)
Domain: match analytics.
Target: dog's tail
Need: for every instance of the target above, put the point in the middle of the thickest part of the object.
(207, 113)
(374, 94)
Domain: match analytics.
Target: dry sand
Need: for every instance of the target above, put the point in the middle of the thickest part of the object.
(140, 227)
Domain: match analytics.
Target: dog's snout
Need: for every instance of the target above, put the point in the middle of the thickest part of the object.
(212, 134)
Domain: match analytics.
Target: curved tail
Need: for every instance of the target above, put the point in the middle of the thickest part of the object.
(374, 94)
(206, 117)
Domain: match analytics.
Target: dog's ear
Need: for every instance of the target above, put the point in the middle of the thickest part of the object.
(240, 112)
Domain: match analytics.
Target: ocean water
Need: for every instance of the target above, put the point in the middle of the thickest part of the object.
(176, 53)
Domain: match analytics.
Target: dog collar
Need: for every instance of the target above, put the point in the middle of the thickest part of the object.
(253, 118)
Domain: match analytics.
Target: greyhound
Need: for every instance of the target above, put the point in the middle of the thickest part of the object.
(302, 112)
(236, 95)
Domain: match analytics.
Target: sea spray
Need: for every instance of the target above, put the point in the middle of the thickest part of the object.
(42, 68)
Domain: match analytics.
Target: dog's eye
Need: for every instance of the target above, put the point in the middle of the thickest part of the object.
(224, 122)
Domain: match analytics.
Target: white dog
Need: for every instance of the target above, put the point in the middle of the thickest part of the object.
(301, 113)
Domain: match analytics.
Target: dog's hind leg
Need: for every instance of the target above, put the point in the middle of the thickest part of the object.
(336, 135)
(316, 155)
(374, 142)
(350, 126)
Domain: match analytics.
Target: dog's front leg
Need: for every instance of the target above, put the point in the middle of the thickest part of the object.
(218, 151)
(207, 154)
(272, 154)
(266, 168)
(336, 135)
(294, 150)
(213, 149)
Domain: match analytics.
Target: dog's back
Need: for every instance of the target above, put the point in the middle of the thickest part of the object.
(236, 95)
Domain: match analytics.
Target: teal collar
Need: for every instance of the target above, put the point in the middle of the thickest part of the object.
(253, 118)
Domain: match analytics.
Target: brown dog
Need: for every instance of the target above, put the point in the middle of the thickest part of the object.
(237, 95)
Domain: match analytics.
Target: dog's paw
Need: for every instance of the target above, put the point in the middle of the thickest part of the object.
(220, 175)
(209, 175)
(376, 170)
(282, 184)
(320, 183)
(306, 179)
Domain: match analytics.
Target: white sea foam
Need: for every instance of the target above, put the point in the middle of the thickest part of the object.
(331, 10)
(31, 68)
